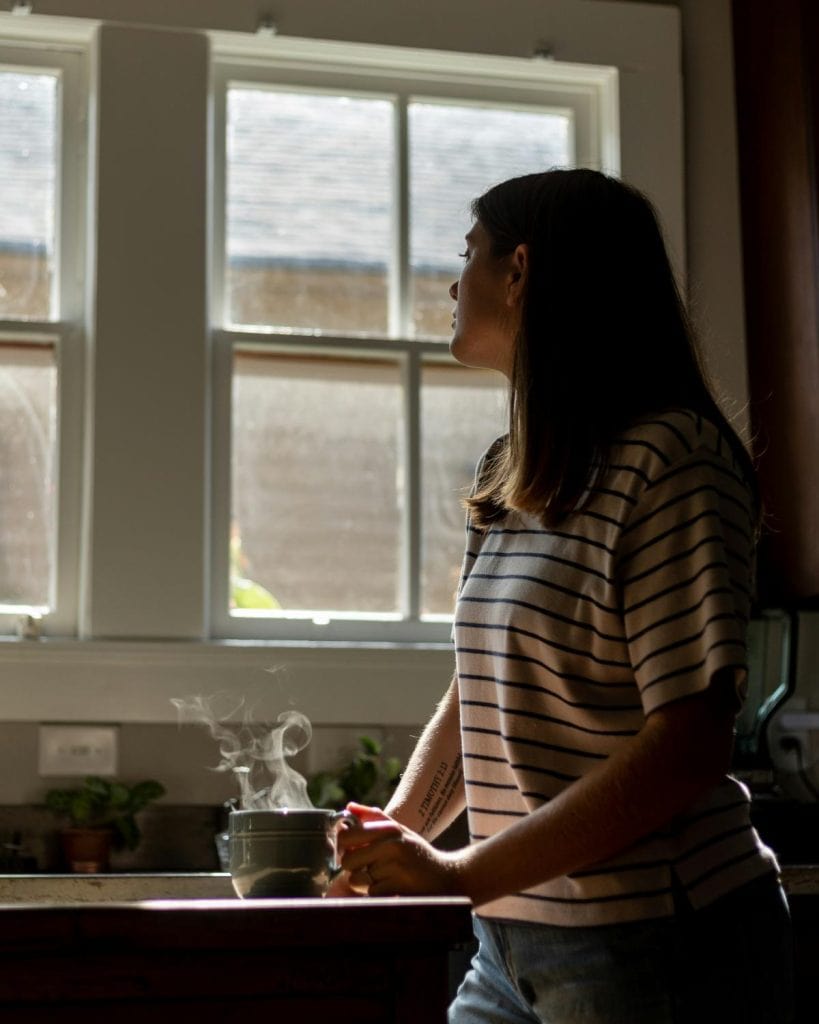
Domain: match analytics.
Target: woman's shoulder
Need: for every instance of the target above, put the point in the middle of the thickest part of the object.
(487, 459)
(657, 442)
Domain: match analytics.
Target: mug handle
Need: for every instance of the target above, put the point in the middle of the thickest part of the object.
(337, 819)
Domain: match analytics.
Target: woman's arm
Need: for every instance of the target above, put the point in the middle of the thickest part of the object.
(430, 795)
(428, 799)
(683, 750)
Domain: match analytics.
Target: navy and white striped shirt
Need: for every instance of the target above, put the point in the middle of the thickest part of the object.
(567, 638)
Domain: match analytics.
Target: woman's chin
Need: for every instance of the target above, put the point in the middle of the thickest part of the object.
(455, 348)
(475, 360)
(459, 350)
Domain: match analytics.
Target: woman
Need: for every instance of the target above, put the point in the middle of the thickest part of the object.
(600, 646)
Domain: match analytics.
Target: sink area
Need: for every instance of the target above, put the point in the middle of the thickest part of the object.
(117, 888)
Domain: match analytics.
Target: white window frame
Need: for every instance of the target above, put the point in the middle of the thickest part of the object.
(589, 94)
(63, 50)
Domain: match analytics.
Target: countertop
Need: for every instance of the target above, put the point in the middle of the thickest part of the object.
(797, 879)
(800, 879)
(123, 888)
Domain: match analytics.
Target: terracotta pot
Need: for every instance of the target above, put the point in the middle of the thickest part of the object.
(86, 850)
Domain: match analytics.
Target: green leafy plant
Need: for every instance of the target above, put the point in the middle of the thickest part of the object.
(369, 778)
(100, 803)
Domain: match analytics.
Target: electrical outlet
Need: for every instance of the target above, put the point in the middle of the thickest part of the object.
(791, 745)
(78, 749)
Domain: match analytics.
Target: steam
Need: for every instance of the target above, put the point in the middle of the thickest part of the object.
(257, 757)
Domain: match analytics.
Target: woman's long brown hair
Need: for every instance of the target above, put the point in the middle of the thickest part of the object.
(604, 339)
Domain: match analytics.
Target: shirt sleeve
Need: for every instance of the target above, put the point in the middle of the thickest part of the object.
(684, 572)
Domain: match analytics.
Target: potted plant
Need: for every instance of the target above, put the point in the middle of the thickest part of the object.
(102, 815)
(368, 778)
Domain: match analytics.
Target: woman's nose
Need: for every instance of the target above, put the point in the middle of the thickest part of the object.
(453, 290)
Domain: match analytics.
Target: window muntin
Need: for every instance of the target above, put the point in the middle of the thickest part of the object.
(29, 172)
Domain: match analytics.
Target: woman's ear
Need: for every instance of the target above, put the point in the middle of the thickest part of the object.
(518, 275)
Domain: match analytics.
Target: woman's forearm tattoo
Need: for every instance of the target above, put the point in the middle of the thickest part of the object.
(445, 784)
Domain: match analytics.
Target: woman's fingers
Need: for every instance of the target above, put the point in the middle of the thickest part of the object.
(385, 859)
(370, 832)
(358, 844)
(342, 888)
(362, 854)
(366, 813)
(360, 881)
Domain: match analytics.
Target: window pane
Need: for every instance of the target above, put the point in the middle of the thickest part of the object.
(28, 418)
(462, 412)
(456, 153)
(28, 183)
(309, 197)
(315, 506)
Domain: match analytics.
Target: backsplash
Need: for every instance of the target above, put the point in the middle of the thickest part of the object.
(178, 831)
(182, 758)
(174, 838)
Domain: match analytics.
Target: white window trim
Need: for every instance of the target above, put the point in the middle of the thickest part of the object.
(63, 48)
(589, 94)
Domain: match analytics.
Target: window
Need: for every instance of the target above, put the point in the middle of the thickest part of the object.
(343, 185)
(41, 120)
(144, 452)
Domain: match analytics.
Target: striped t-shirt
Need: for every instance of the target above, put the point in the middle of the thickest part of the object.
(567, 638)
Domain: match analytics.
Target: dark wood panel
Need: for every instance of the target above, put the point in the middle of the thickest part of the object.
(237, 924)
(368, 960)
(778, 195)
(234, 1010)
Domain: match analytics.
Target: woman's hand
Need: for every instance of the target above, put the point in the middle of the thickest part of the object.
(341, 889)
(384, 858)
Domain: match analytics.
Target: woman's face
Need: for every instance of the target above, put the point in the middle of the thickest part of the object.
(487, 312)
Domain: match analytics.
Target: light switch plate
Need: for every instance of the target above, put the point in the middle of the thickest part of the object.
(78, 749)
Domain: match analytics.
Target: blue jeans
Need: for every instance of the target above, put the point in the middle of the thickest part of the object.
(730, 963)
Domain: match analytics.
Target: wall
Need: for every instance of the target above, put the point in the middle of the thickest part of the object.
(711, 258)
(712, 199)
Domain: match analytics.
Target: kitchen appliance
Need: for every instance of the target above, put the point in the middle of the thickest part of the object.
(772, 648)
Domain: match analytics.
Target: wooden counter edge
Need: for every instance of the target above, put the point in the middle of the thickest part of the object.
(235, 924)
